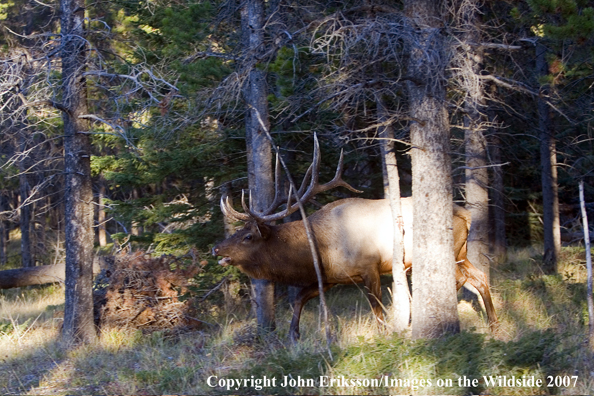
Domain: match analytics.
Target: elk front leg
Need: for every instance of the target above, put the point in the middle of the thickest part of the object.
(306, 294)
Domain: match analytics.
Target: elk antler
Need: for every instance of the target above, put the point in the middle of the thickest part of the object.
(306, 192)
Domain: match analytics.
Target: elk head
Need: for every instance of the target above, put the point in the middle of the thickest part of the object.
(244, 245)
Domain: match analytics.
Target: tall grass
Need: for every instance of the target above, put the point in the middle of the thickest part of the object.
(542, 334)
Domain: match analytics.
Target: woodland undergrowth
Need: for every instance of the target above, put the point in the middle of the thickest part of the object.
(542, 336)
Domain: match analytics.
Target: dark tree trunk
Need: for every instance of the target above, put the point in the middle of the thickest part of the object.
(25, 211)
(259, 149)
(548, 162)
(499, 243)
(3, 231)
(434, 308)
(78, 313)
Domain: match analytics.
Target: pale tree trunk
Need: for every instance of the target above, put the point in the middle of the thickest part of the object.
(41, 208)
(135, 228)
(589, 299)
(434, 307)
(477, 176)
(78, 312)
(259, 149)
(101, 232)
(400, 292)
(548, 163)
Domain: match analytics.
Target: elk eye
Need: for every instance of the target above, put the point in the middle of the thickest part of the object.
(248, 237)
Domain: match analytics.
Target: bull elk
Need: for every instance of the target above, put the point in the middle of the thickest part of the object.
(354, 238)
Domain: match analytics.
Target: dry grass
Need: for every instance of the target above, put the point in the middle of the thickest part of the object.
(135, 362)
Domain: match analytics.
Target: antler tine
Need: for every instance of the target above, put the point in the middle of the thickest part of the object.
(315, 188)
(337, 180)
(308, 189)
(312, 173)
(231, 213)
(290, 209)
(246, 208)
(278, 197)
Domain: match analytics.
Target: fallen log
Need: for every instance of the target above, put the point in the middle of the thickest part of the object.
(40, 275)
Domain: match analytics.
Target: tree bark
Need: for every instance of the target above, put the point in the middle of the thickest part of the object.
(260, 177)
(400, 291)
(548, 161)
(434, 308)
(78, 313)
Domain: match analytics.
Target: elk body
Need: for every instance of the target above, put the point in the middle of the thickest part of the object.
(354, 239)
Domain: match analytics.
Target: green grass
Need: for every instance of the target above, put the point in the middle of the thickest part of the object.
(542, 338)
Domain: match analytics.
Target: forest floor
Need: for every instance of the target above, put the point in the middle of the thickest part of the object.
(540, 348)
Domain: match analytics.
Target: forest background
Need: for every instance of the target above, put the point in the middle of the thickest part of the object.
(166, 111)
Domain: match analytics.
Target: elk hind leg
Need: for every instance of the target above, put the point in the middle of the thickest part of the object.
(477, 278)
(373, 289)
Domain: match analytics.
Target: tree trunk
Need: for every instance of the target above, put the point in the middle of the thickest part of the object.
(434, 308)
(400, 291)
(548, 163)
(78, 312)
(477, 176)
(258, 147)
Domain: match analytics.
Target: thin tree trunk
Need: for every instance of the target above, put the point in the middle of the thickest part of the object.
(588, 266)
(548, 161)
(40, 228)
(78, 312)
(434, 308)
(135, 228)
(477, 176)
(400, 291)
(101, 233)
(499, 243)
(3, 231)
(259, 149)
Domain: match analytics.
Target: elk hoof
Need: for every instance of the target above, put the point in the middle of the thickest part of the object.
(294, 336)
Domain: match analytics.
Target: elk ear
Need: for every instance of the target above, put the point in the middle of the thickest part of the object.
(264, 230)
